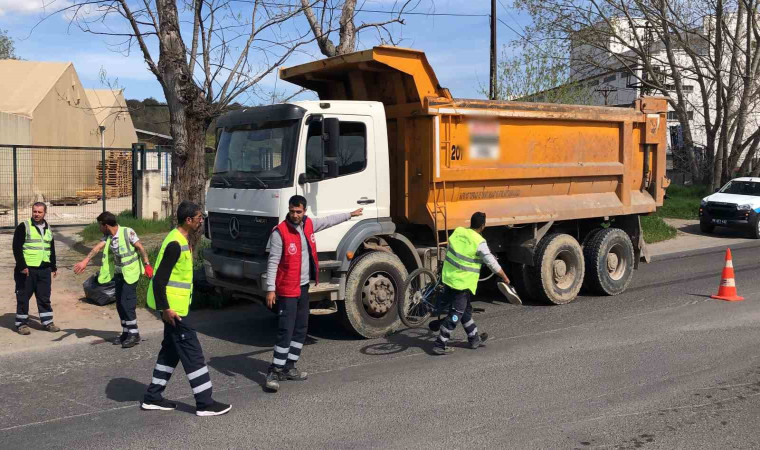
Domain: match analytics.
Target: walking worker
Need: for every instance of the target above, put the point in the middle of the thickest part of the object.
(461, 271)
(34, 252)
(171, 292)
(292, 264)
(122, 265)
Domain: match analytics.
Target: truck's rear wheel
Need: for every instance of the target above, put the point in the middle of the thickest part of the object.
(609, 262)
(373, 287)
(558, 269)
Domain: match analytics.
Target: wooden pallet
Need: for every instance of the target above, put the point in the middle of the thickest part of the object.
(72, 201)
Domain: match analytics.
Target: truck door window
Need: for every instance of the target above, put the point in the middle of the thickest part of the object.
(352, 152)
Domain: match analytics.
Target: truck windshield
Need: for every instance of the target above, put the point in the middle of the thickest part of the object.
(741, 188)
(261, 155)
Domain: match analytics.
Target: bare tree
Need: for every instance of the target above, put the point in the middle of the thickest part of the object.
(700, 54)
(322, 18)
(233, 45)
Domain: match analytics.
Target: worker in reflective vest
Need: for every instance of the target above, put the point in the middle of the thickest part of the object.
(122, 265)
(292, 264)
(171, 292)
(461, 271)
(34, 252)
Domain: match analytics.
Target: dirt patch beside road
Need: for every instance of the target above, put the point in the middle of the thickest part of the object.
(79, 321)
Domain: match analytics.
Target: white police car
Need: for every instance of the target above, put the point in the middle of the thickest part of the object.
(737, 204)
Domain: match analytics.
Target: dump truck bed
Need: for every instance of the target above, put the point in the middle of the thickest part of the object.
(517, 162)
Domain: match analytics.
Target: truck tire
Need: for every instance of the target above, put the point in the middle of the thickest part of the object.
(609, 262)
(521, 276)
(373, 287)
(558, 269)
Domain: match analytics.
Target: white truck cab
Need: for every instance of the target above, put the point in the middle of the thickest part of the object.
(737, 204)
(267, 154)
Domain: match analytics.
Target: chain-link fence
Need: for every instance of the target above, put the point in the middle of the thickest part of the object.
(76, 183)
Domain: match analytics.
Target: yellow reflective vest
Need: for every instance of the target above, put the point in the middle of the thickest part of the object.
(127, 259)
(461, 268)
(36, 247)
(179, 290)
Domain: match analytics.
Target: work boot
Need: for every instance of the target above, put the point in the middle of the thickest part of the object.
(161, 405)
(273, 379)
(478, 340)
(216, 409)
(118, 340)
(24, 330)
(294, 374)
(53, 328)
(131, 341)
(438, 350)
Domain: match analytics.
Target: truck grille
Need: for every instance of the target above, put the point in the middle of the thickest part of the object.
(728, 211)
(252, 232)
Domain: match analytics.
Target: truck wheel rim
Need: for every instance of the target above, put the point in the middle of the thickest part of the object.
(378, 294)
(617, 265)
(564, 270)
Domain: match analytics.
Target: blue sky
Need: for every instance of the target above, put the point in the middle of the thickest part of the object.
(457, 47)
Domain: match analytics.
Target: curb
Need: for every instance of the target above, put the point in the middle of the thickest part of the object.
(703, 251)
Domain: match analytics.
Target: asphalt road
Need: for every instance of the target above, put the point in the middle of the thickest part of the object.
(661, 366)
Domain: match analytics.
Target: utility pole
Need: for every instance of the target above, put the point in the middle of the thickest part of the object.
(605, 91)
(492, 90)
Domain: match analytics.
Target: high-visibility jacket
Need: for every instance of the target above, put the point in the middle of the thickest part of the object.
(461, 268)
(288, 280)
(36, 247)
(179, 289)
(127, 259)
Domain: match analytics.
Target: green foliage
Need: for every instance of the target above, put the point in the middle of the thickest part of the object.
(530, 73)
(656, 230)
(210, 164)
(92, 232)
(683, 202)
(150, 115)
(7, 47)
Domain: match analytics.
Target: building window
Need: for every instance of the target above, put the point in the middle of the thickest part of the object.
(673, 116)
(610, 78)
(593, 83)
(687, 88)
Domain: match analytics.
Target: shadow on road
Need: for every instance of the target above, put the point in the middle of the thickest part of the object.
(87, 332)
(251, 365)
(720, 232)
(125, 390)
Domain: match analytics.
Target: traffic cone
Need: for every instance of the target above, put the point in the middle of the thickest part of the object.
(727, 289)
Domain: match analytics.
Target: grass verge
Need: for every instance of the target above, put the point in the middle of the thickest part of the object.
(656, 230)
(682, 202)
(92, 232)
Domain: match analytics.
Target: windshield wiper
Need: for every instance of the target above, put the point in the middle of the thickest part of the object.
(223, 178)
(261, 182)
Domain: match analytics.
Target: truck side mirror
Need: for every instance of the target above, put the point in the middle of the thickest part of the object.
(330, 168)
(331, 136)
(302, 179)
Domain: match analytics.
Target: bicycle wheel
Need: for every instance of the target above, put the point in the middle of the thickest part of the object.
(418, 297)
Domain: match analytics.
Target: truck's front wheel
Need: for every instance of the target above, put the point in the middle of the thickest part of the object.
(373, 287)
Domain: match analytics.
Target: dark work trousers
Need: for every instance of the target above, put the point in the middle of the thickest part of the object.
(460, 310)
(181, 344)
(126, 304)
(39, 283)
(291, 329)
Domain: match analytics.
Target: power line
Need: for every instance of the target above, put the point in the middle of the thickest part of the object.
(380, 11)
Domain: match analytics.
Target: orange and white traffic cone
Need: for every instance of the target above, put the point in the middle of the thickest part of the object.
(727, 289)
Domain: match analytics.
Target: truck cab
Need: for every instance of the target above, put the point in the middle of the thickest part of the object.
(333, 153)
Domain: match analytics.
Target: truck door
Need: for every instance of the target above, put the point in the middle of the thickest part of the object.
(355, 185)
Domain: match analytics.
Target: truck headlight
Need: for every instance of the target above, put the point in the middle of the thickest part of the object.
(744, 207)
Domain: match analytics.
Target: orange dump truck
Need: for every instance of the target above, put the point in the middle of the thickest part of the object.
(562, 186)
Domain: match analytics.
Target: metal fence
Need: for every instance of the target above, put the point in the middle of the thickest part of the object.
(76, 183)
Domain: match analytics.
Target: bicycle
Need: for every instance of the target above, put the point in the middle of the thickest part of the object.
(421, 294)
